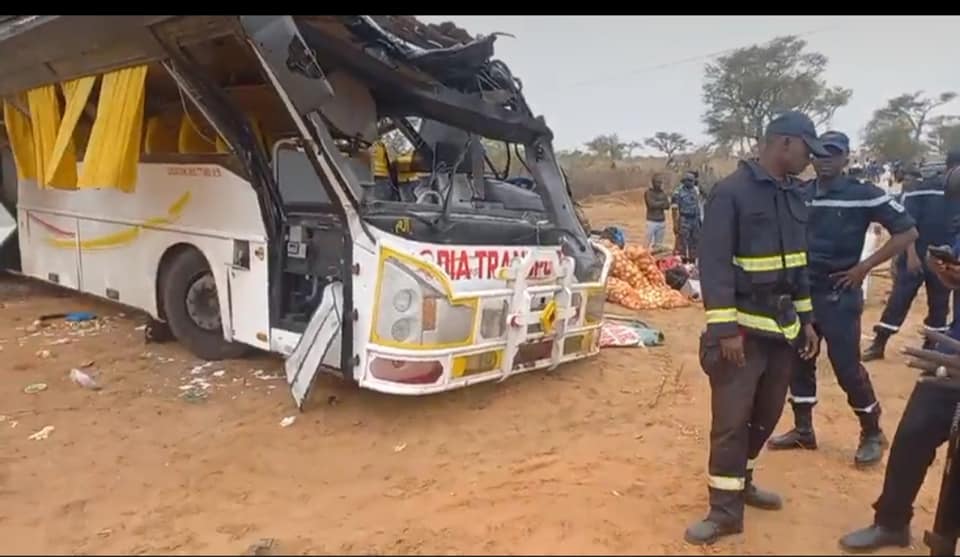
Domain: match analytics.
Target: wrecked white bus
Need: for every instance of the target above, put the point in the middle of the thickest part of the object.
(215, 172)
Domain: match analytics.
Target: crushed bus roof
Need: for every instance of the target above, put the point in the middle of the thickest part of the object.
(437, 71)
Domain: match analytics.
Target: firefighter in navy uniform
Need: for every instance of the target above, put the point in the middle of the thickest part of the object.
(758, 312)
(924, 426)
(841, 209)
(933, 214)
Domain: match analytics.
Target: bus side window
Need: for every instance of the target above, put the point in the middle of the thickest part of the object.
(299, 183)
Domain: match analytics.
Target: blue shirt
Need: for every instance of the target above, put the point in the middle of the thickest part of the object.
(687, 200)
(932, 213)
(839, 215)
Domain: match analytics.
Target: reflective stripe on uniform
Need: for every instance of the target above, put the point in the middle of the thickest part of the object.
(722, 315)
(852, 203)
(771, 262)
(753, 321)
(938, 329)
(726, 483)
(922, 192)
(802, 399)
(751, 463)
(769, 325)
(888, 326)
(868, 409)
(803, 305)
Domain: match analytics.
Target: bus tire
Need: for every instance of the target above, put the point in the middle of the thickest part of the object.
(192, 309)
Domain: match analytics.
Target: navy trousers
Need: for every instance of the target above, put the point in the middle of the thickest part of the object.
(837, 320)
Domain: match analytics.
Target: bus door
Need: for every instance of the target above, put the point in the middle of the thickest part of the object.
(297, 77)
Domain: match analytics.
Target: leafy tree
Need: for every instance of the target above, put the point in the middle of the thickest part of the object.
(913, 110)
(669, 143)
(945, 133)
(895, 130)
(747, 88)
(608, 146)
(892, 141)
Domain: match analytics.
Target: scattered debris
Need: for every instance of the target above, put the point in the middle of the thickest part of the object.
(60, 341)
(79, 316)
(399, 448)
(43, 354)
(48, 317)
(219, 373)
(260, 374)
(197, 370)
(141, 327)
(288, 421)
(616, 493)
(86, 364)
(105, 532)
(261, 547)
(42, 434)
(35, 388)
(332, 400)
(194, 395)
(84, 380)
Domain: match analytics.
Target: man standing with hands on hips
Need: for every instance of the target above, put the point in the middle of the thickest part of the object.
(759, 315)
(841, 210)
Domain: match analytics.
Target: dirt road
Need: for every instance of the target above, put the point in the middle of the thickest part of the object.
(607, 456)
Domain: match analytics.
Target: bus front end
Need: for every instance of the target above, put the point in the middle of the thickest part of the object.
(446, 316)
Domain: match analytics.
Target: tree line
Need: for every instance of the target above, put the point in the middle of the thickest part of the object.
(745, 89)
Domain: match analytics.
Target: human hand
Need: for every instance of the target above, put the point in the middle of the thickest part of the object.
(852, 277)
(731, 348)
(811, 343)
(914, 265)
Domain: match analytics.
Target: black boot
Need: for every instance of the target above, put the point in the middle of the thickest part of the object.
(760, 498)
(875, 537)
(725, 518)
(801, 436)
(872, 440)
(877, 346)
(706, 531)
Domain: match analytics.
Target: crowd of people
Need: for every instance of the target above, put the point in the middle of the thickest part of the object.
(782, 263)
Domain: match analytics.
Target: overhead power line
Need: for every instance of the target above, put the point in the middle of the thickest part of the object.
(664, 65)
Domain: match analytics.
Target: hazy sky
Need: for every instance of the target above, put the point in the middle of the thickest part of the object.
(590, 75)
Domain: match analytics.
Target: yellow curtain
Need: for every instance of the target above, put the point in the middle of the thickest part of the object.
(114, 147)
(21, 140)
(45, 122)
(62, 162)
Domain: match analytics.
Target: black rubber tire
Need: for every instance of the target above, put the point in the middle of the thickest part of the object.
(176, 277)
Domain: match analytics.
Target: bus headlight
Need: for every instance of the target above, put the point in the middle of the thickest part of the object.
(413, 311)
(403, 299)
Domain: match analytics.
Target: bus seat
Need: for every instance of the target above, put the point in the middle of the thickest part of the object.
(160, 137)
(190, 141)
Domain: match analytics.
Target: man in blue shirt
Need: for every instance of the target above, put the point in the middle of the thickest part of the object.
(686, 217)
(933, 214)
(840, 212)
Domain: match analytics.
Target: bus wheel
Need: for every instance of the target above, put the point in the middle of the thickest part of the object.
(192, 309)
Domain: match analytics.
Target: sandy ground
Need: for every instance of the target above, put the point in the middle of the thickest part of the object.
(605, 456)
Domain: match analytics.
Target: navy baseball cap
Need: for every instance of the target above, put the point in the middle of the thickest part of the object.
(837, 140)
(796, 124)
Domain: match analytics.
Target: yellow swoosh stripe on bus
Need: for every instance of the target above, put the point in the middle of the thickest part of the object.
(116, 239)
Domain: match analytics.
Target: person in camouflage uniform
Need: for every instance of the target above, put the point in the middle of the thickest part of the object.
(686, 217)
